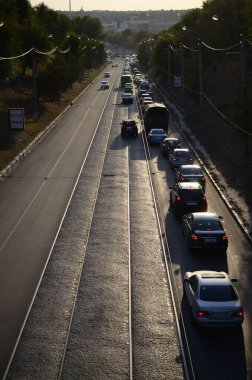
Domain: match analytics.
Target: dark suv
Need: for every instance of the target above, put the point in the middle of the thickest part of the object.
(129, 128)
(187, 197)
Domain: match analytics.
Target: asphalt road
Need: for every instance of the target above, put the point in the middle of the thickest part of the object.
(90, 259)
(216, 353)
(33, 200)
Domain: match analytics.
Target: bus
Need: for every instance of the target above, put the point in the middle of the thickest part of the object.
(156, 116)
(125, 78)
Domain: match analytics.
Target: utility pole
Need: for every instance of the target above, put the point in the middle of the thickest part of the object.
(70, 10)
(200, 76)
(34, 77)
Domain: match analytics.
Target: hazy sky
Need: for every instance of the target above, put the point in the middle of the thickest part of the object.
(119, 5)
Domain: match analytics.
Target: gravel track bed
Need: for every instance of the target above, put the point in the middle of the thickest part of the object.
(98, 341)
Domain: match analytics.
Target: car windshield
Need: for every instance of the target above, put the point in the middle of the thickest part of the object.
(208, 225)
(192, 171)
(217, 293)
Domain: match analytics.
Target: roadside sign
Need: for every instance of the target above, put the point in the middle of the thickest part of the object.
(16, 118)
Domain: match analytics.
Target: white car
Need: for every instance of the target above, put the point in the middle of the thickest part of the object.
(104, 84)
(213, 299)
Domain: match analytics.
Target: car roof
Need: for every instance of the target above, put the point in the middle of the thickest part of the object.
(181, 150)
(189, 185)
(128, 120)
(171, 139)
(213, 278)
(205, 216)
(190, 167)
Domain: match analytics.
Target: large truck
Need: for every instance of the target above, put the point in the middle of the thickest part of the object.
(125, 78)
(156, 116)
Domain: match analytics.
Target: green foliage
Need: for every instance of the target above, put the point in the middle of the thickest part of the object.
(43, 28)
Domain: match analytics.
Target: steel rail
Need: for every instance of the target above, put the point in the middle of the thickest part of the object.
(188, 367)
(83, 258)
(54, 243)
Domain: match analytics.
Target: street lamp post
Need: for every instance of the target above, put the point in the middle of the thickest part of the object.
(200, 66)
(34, 77)
(243, 45)
(182, 68)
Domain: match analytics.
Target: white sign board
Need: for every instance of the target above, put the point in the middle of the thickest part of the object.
(16, 118)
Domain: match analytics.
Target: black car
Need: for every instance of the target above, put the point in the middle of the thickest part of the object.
(170, 143)
(187, 197)
(186, 173)
(129, 128)
(204, 230)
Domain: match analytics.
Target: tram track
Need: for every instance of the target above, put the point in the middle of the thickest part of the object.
(104, 308)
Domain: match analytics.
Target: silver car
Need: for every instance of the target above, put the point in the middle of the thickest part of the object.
(213, 299)
(180, 156)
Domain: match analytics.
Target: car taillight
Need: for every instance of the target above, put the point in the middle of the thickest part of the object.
(194, 237)
(238, 313)
(202, 313)
(189, 159)
(178, 199)
(182, 178)
(204, 199)
(173, 159)
(224, 237)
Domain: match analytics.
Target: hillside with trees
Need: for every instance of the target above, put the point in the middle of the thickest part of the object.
(39, 39)
(209, 54)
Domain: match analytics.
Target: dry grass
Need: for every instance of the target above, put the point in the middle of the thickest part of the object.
(20, 96)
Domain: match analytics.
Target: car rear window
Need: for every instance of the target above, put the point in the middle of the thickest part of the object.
(157, 132)
(171, 142)
(208, 225)
(192, 171)
(182, 154)
(217, 293)
(192, 194)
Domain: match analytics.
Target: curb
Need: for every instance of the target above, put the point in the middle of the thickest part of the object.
(179, 121)
(7, 170)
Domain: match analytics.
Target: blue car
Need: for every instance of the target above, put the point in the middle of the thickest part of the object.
(156, 136)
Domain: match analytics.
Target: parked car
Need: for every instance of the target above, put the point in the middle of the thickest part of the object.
(190, 173)
(129, 128)
(187, 197)
(180, 156)
(213, 299)
(127, 98)
(170, 143)
(156, 136)
(104, 84)
(204, 231)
